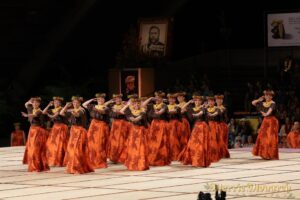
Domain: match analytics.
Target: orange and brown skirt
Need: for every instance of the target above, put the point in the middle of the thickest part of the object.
(266, 145)
(224, 140)
(214, 141)
(197, 151)
(116, 150)
(97, 137)
(175, 130)
(159, 143)
(137, 149)
(35, 153)
(76, 159)
(57, 144)
(185, 132)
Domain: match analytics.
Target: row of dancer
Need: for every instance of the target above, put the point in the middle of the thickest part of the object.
(143, 133)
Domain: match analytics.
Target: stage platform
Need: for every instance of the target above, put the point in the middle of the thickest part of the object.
(243, 176)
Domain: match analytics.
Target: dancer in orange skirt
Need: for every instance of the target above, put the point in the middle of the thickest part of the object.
(98, 132)
(58, 139)
(137, 144)
(223, 126)
(174, 126)
(158, 140)
(212, 113)
(76, 159)
(197, 151)
(267, 140)
(116, 150)
(35, 153)
(186, 129)
(293, 138)
(17, 137)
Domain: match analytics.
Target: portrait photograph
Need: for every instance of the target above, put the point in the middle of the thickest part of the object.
(129, 82)
(153, 37)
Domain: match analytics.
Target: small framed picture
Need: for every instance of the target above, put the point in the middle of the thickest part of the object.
(129, 82)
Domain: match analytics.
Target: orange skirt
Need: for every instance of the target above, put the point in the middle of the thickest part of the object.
(116, 150)
(35, 153)
(197, 151)
(214, 141)
(224, 140)
(57, 144)
(185, 132)
(17, 138)
(174, 129)
(97, 140)
(267, 140)
(158, 142)
(76, 159)
(293, 139)
(137, 149)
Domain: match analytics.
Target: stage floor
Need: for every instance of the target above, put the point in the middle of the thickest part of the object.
(244, 177)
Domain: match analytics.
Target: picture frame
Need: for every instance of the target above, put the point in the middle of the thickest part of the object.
(154, 37)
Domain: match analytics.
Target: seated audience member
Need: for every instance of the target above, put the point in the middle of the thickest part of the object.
(293, 139)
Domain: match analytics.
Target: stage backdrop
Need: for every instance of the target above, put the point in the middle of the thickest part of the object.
(283, 29)
(142, 81)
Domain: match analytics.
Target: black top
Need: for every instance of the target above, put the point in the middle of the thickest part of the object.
(196, 110)
(264, 107)
(155, 108)
(77, 118)
(38, 119)
(176, 114)
(98, 112)
(223, 115)
(185, 114)
(58, 118)
(116, 115)
(136, 113)
(211, 111)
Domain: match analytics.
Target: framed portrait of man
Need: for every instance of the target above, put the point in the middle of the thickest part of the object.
(153, 37)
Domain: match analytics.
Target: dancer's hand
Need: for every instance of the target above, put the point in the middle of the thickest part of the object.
(24, 114)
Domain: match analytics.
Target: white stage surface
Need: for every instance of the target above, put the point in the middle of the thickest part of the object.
(242, 176)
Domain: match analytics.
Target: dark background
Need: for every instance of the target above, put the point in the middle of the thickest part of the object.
(65, 47)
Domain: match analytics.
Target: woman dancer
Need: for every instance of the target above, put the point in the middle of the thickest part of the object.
(76, 159)
(223, 126)
(137, 144)
(266, 145)
(58, 139)
(118, 133)
(197, 151)
(158, 140)
(98, 132)
(35, 153)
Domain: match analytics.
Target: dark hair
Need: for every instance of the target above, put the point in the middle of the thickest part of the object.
(154, 27)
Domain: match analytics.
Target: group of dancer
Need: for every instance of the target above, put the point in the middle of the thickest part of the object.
(138, 133)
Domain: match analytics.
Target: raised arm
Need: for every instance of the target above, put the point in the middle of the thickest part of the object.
(122, 111)
(47, 107)
(186, 105)
(260, 99)
(109, 102)
(85, 104)
(29, 102)
(146, 102)
(63, 111)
